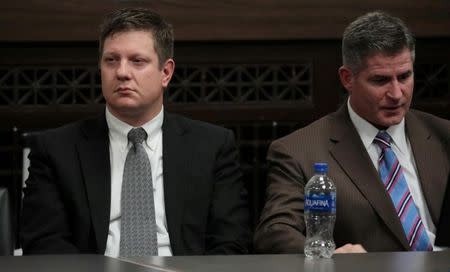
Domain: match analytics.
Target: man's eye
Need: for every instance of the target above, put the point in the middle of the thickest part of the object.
(379, 80)
(109, 59)
(138, 61)
(404, 76)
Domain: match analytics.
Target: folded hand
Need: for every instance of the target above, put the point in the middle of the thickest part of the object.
(351, 248)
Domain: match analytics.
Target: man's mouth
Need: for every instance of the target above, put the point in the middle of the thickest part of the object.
(391, 108)
(124, 90)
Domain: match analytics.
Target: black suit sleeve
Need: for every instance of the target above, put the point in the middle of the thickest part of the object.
(228, 222)
(45, 225)
(443, 227)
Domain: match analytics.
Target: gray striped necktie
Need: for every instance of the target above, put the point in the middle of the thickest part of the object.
(138, 225)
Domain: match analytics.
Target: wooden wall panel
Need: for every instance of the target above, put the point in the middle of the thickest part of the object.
(323, 56)
(77, 20)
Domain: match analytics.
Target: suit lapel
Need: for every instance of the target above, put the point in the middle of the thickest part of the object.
(93, 153)
(349, 152)
(429, 156)
(175, 166)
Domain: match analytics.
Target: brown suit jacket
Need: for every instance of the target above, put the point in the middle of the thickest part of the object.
(365, 214)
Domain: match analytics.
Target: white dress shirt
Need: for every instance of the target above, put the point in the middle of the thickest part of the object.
(402, 149)
(118, 150)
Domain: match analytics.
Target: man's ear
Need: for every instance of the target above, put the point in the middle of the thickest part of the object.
(346, 77)
(167, 70)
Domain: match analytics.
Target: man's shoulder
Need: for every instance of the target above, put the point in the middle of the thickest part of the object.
(193, 126)
(430, 121)
(319, 129)
(198, 136)
(71, 130)
(428, 117)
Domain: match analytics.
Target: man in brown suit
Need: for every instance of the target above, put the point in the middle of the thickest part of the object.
(378, 56)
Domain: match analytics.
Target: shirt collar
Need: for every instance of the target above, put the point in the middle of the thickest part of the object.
(367, 131)
(118, 130)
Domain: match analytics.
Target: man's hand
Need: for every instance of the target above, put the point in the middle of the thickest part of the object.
(350, 248)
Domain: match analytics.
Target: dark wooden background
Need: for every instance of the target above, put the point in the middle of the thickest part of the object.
(259, 67)
(199, 20)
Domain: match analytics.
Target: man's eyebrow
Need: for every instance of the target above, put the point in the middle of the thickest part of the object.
(406, 72)
(379, 76)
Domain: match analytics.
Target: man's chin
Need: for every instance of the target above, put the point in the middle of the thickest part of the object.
(391, 121)
(124, 103)
(127, 108)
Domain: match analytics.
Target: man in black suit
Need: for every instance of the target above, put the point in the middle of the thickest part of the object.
(72, 201)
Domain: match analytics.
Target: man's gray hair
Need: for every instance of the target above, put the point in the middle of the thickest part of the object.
(374, 32)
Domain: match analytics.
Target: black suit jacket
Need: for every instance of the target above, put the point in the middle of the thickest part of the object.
(66, 205)
(443, 228)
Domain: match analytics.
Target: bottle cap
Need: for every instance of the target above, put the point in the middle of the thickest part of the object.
(321, 167)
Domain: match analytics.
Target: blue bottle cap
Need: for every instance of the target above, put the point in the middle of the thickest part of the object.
(321, 167)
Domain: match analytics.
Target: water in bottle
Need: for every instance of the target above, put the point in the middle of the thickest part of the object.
(320, 214)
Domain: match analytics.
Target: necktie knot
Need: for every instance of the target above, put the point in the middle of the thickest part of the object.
(383, 140)
(137, 135)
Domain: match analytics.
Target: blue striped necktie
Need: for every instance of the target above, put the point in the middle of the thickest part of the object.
(394, 181)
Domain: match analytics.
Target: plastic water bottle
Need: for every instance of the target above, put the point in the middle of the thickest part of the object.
(320, 214)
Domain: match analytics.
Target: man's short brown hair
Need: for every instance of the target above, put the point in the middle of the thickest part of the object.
(130, 19)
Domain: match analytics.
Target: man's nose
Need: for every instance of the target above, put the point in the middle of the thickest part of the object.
(395, 90)
(123, 71)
